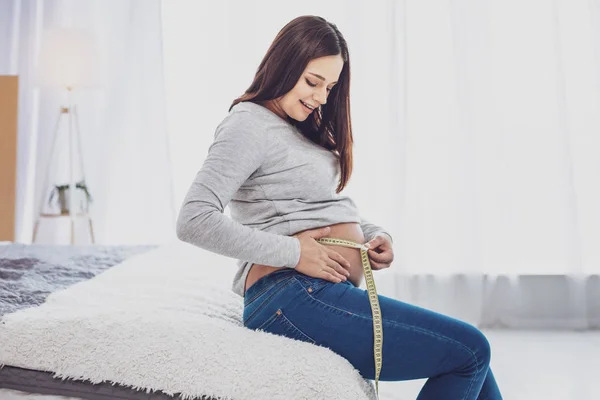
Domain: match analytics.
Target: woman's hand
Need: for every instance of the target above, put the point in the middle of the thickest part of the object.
(380, 252)
(319, 261)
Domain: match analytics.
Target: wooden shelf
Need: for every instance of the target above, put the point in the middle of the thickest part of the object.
(65, 215)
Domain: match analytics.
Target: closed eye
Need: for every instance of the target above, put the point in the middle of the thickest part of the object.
(314, 85)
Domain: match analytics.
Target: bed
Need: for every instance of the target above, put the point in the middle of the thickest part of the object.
(28, 274)
(146, 322)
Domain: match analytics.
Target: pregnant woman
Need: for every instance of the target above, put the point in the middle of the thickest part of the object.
(280, 159)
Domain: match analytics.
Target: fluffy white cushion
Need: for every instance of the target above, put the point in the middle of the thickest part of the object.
(167, 320)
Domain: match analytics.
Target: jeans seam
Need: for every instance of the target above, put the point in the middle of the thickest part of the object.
(253, 314)
(257, 295)
(285, 320)
(328, 305)
(422, 330)
(477, 369)
(272, 317)
(296, 328)
(300, 278)
(430, 333)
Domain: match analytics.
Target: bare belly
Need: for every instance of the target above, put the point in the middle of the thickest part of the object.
(347, 231)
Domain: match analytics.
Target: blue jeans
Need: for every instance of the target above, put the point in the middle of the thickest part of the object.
(417, 343)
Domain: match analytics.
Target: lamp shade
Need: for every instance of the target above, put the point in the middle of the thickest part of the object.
(68, 58)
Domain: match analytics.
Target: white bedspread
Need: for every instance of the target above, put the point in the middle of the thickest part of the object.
(167, 320)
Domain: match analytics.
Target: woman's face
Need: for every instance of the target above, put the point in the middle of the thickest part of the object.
(311, 90)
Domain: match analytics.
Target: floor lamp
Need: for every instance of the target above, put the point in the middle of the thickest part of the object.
(66, 61)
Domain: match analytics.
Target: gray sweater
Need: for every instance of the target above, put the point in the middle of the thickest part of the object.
(276, 182)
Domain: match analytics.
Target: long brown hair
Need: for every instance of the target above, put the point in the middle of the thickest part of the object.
(301, 40)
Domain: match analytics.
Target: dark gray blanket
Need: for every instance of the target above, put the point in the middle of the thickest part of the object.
(29, 273)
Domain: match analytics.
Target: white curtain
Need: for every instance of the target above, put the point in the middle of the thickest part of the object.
(122, 123)
(476, 127)
(19, 22)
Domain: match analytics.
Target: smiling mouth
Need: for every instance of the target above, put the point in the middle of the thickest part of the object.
(306, 106)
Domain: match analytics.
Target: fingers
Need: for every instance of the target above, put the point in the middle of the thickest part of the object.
(377, 266)
(338, 263)
(376, 242)
(335, 268)
(334, 255)
(379, 257)
(332, 275)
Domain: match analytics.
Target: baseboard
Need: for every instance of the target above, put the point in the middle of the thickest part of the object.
(558, 302)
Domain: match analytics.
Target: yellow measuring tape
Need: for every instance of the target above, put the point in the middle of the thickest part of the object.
(373, 299)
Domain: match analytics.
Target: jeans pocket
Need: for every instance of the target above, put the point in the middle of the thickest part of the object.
(260, 302)
(266, 283)
(279, 324)
(313, 285)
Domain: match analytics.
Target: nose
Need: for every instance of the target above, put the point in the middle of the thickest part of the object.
(321, 96)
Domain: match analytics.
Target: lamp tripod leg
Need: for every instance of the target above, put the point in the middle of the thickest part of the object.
(77, 133)
(35, 230)
(91, 230)
(47, 178)
(72, 212)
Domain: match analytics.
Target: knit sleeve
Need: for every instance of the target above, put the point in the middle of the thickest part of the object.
(371, 230)
(237, 152)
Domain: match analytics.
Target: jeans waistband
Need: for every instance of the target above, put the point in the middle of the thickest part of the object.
(267, 281)
(279, 275)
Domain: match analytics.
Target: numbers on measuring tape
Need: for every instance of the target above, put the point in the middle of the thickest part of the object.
(373, 300)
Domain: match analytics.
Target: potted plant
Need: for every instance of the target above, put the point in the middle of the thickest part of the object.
(61, 192)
